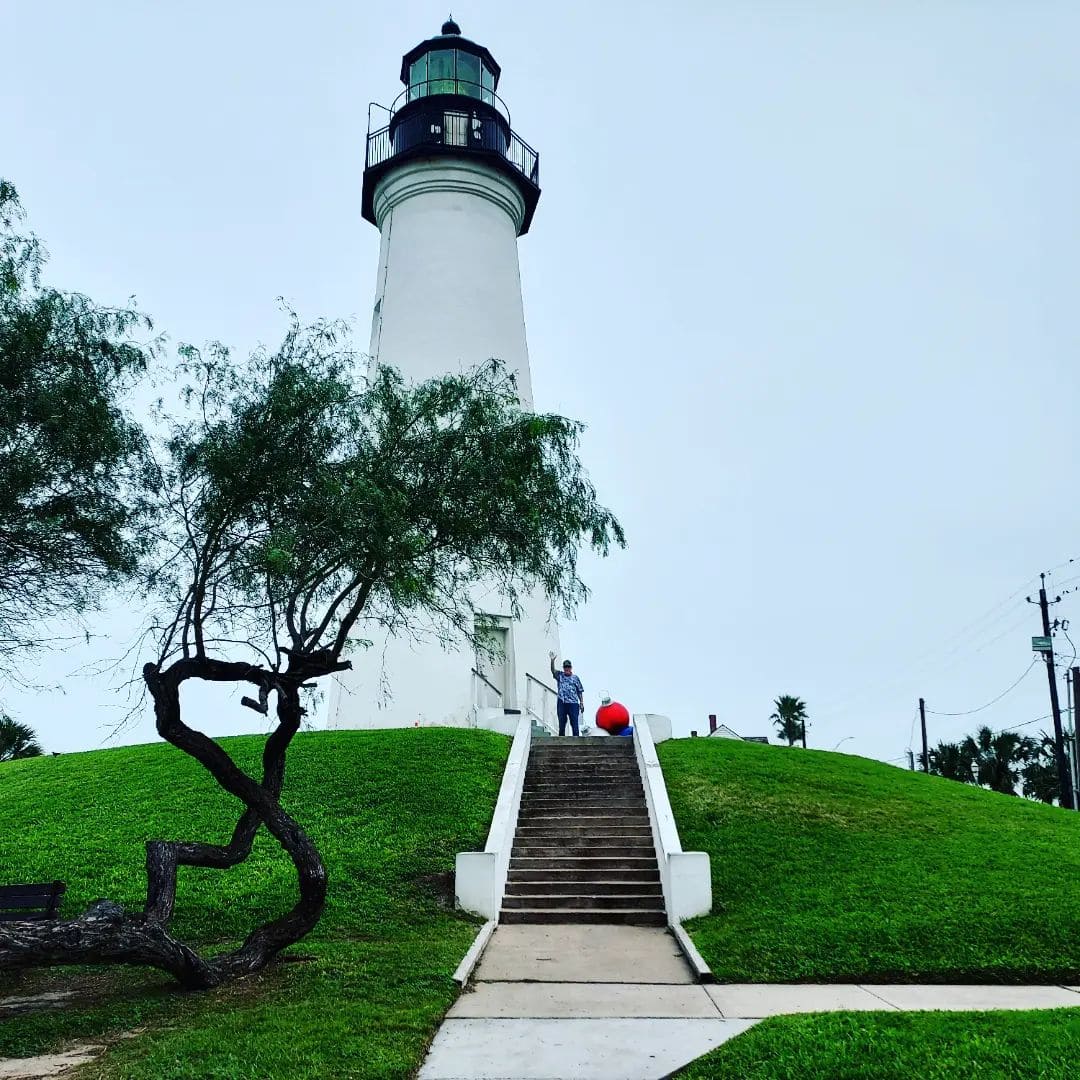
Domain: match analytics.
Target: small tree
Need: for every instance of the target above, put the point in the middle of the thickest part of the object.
(66, 446)
(790, 719)
(998, 758)
(299, 507)
(952, 761)
(17, 740)
(1040, 775)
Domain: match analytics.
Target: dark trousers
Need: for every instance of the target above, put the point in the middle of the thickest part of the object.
(568, 710)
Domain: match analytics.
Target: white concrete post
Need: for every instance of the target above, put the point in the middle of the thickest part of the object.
(480, 876)
(685, 876)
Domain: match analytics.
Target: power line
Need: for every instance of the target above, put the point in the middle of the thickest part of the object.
(925, 664)
(1028, 723)
(969, 712)
(1064, 627)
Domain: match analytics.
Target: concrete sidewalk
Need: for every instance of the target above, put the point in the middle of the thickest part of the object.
(567, 1002)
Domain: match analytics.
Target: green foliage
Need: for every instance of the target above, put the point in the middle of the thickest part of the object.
(998, 758)
(389, 810)
(1038, 1045)
(952, 761)
(300, 499)
(67, 450)
(17, 740)
(790, 719)
(833, 868)
(1001, 761)
(1041, 779)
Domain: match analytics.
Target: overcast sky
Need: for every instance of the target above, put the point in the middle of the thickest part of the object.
(807, 270)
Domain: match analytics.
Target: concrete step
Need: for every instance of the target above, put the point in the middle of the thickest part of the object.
(590, 748)
(554, 777)
(570, 864)
(603, 887)
(584, 768)
(611, 827)
(534, 807)
(582, 761)
(603, 788)
(604, 798)
(583, 793)
(576, 761)
(619, 872)
(599, 818)
(594, 742)
(586, 826)
(610, 848)
(580, 776)
(526, 836)
(631, 917)
(624, 902)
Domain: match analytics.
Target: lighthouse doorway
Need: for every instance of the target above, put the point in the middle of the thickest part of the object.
(495, 656)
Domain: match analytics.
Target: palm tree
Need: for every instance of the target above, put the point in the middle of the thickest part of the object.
(790, 718)
(1041, 773)
(17, 740)
(998, 758)
(953, 761)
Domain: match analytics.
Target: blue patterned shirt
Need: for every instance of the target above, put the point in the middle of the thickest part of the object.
(570, 688)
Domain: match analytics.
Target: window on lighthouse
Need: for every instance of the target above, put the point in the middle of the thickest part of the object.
(468, 74)
(418, 78)
(441, 71)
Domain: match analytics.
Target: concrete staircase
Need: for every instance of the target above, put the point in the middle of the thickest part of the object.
(583, 851)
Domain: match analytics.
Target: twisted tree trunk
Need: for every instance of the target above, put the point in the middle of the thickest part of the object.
(106, 934)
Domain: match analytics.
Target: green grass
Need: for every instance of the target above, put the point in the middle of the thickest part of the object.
(833, 868)
(362, 994)
(1042, 1045)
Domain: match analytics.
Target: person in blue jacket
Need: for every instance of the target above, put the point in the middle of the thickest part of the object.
(571, 695)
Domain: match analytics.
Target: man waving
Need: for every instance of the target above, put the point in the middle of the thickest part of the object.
(571, 695)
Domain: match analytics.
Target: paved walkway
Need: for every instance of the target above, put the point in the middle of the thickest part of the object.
(561, 1002)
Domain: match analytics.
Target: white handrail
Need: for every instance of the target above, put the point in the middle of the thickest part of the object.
(544, 710)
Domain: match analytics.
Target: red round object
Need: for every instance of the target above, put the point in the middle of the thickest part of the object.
(612, 717)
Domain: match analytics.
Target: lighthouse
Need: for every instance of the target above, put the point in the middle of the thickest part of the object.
(450, 186)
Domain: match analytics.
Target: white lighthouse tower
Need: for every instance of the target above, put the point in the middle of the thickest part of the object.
(450, 187)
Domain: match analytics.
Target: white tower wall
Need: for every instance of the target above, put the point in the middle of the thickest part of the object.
(448, 297)
(448, 294)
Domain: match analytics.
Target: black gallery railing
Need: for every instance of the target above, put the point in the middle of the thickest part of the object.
(452, 129)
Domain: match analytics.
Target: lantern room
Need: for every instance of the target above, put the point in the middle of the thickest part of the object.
(450, 106)
(450, 64)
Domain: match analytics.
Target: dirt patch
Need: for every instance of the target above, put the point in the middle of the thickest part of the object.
(47, 999)
(441, 886)
(44, 1066)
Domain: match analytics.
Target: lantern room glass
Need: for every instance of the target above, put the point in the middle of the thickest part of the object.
(451, 71)
(441, 71)
(418, 78)
(468, 74)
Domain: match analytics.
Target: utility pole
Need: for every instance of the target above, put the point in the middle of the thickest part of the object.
(1064, 779)
(911, 761)
(925, 749)
(1075, 683)
(1070, 734)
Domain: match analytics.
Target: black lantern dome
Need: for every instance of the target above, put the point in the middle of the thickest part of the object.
(449, 107)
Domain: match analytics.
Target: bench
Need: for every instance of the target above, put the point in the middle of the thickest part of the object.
(40, 901)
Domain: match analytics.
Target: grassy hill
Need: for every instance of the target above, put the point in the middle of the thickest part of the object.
(364, 992)
(833, 868)
(1042, 1045)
